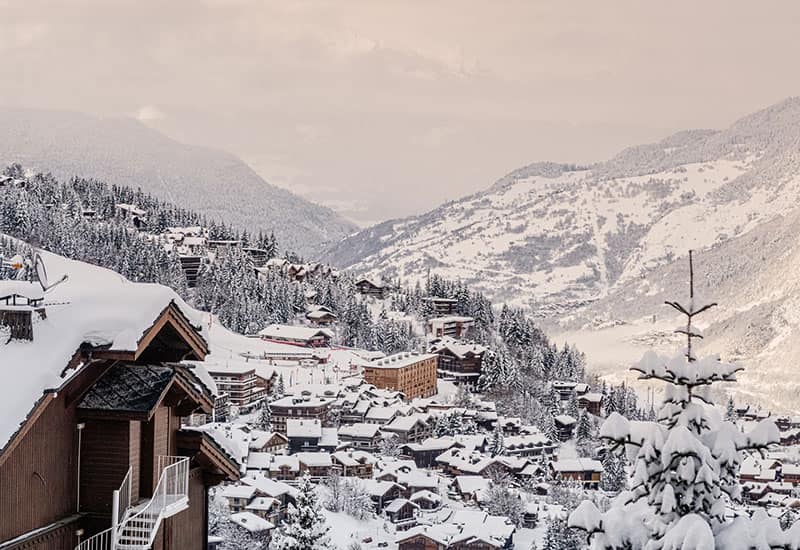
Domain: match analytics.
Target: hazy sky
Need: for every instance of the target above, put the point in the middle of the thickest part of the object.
(382, 109)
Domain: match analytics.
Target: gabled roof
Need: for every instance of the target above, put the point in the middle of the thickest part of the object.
(97, 312)
(293, 332)
(398, 504)
(456, 348)
(209, 453)
(251, 522)
(303, 428)
(129, 390)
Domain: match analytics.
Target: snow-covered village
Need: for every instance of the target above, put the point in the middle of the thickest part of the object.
(393, 345)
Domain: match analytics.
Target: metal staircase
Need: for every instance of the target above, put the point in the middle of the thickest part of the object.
(135, 528)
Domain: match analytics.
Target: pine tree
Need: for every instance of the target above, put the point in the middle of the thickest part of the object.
(278, 390)
(496, 441)
(614, 477)
(442, 426)
(559, 537)
(686, 464)
(305, 527)
(730, 410)
(548, 426)
(264, 420)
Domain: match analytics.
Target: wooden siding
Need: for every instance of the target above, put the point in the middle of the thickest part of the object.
(415, 380)
(187, 530)
(106, 455)
(40, 465)
(62, 538)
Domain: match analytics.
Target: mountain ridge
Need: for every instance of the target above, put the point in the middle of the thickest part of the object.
(124, 151)
(588, 248)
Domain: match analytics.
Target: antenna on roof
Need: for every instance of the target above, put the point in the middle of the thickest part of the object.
(41, 274)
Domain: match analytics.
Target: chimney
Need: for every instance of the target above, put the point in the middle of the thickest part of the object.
(16, 313)
(18, 322)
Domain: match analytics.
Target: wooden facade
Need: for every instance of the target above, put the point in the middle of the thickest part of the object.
(59, 471)
(413, 375)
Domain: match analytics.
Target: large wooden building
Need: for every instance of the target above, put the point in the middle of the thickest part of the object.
(244, 388)
(92, 450)
(297, 336)
(454, 326)
(410, 373)
(458, 361)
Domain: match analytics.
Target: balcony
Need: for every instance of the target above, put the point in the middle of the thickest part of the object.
(135, 527)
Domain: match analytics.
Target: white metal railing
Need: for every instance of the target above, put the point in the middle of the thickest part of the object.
(104, 540)
(172, 491)
(139, 529)
(100, 541)
(122, 498)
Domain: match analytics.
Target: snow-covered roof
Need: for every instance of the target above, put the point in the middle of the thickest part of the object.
(432, 444)
(512, 442)
(359, 430)
(456, 347)
(260, 438)
(472, 484)
(284, 462)
(465, 526)
(592, 397)
(29, 290)
(425, 494)
(450, 319)
(319, 314)
(418, 478)
(96, 307)
(397, 505)
(293, 332)
(400, 360)
(231, 438)
(354, 457)
(406, 423)
(307, 428)
(238, 491)
(314, 459)
(565, 419)
(381, 413)
(329, 438)
(378, 488)
(577, 465)
(269, 487)
(259, 461)
(251, 522)
(262, 504)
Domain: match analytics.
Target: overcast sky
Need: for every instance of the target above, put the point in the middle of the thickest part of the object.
(383, 109)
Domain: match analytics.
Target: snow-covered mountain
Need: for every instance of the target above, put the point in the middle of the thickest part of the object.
(551, 233)
(596, 250)
(125, 152)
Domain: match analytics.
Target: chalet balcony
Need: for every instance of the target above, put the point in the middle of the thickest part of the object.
(135, 527)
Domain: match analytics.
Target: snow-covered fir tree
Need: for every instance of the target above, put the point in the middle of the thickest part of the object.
(278, 390)
(501, 500)
(558, 536)
(730, 410)
(686, 464)
(264, 419)
(304, 527)
(614, 477)
(496, 445)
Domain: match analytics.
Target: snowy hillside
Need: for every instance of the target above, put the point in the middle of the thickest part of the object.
(564, 236)
(125, 152)
(752, 277)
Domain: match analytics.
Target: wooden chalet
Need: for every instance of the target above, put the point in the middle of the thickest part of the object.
(99, 459)
(369, 287)
(442, 306)
(586, 471)
(458, 361)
